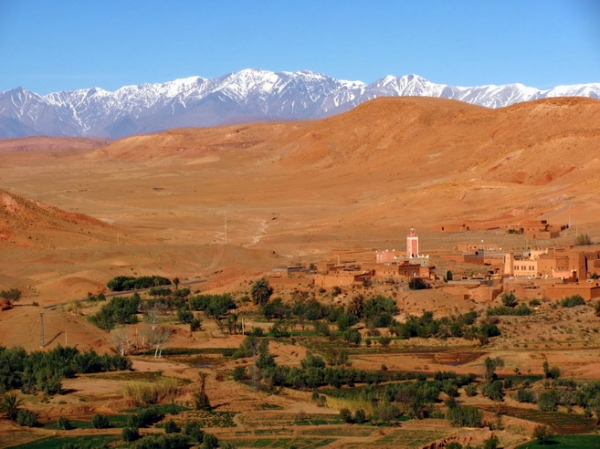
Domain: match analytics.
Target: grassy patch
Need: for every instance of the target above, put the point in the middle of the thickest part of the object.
(80, 441)
(77, 424)
(267, 406)
(151, 376)
(300, 443)
(410, 438)
(165, 409)
(212, 419)
(342, 431)
(226, 352)
(566, 442)
(517, 379)
(291, 420)
(561, 423)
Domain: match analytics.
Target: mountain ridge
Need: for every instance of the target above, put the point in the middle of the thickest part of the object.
(249, 95)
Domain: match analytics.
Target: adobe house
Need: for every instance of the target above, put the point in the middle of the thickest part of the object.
(586, 290)
(472, 247)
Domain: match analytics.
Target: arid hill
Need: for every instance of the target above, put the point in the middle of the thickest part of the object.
(45, 143)
(28, 223)
(191, 202)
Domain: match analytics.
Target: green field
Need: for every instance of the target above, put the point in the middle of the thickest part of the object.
(561, 423)
(58, 442)
(272, 443)
(566, 442)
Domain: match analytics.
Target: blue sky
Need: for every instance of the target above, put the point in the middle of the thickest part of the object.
(53, 45)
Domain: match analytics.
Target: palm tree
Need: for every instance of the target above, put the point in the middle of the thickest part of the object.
(261, 291)
(11, 405)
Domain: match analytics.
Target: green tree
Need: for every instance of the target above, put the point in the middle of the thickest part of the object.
(543, 434)
(10, 405)
(100, 422)
(509, 299)
(491, 364)
(548, 401)
(13, 295)
(261, 291)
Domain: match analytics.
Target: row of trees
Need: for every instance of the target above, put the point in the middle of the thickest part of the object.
(44, 371)
(125, 283)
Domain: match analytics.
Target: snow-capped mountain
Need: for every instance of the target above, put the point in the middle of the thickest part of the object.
(246, 96)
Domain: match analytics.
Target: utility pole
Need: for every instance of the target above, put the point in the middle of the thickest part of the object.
(41, 330)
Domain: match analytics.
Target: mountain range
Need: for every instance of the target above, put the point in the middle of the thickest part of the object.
(246, 96)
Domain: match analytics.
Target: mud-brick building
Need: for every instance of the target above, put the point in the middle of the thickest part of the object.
(587, 290)
(573, 264)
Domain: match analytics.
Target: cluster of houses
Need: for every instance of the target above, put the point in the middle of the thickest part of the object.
(551, 272)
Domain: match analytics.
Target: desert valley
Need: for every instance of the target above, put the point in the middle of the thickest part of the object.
(294, 313)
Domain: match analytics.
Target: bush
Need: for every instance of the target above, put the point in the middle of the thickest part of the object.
(493, 390)
(195, 325)
(130, 435)
(471, 390)
(465, 416)
(100, 422)
(192, 429)
(239, 373)
(583, 240)
(27, 418)
(144, 418)
(170, 441)
(172, 427)
(210, 441)
(509, 299)
(64, 423)
(548, 401)
(572, 301)
(346, 415)
(525, 395)
(543, 433)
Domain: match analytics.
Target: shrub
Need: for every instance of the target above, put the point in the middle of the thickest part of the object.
(548, 401)
(192, 429)
(27, 418)
(583, 240)
(172, 427)
(144, 418)
(195, 325)
(64, 423)
(100, 422)
(360, 416)
(572, 301)
(525, 395)
(170, 441)
(346, 415)
(543, 433)
(129, 435)
(493, 390)
(465, 416)
(471, 390)
(509, 299)
(210, 441)
(239, 373)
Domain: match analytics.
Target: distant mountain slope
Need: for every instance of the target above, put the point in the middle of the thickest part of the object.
(32, 224)
(246, 96)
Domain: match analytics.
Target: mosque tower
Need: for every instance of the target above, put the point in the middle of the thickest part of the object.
(412, 244)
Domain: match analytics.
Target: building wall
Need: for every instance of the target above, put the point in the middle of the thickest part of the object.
(586, 290)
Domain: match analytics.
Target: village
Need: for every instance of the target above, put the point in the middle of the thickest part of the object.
(474, 270)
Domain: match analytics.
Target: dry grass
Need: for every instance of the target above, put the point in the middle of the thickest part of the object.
(164, 390)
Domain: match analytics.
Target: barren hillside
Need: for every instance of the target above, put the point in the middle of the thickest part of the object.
(295, 191)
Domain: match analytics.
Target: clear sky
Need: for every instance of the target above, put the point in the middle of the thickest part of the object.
(53, 45)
